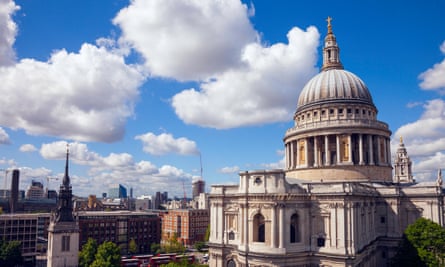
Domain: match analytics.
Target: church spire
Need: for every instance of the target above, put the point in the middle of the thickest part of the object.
(64, 211)
(66, 177)
(331, 51)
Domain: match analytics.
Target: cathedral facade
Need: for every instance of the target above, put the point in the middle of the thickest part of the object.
(339, 201)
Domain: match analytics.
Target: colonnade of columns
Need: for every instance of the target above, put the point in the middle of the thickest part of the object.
(338, 149)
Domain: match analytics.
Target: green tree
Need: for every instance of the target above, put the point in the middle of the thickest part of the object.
(108, 255)
(173, 245)
(423, 245)
(88, 253)
(132, 246)
(199, 245)
(207, 234)
(155, 248)
(10, 254)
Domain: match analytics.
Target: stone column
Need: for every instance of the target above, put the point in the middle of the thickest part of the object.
(371, 152)
(316, 151)
(306, 152)
(221, 224)
(240, 224)
(350, 148)
(326, 150)
(384, 152)
(338, 149)
(292, 155)
(360, 147)
(281, 226)
(273, 228)
(379, 159)
(246, 227)
(213, 231)
(287, 147)
(388, 151)
(297, 147)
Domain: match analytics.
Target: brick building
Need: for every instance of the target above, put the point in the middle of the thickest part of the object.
(190, 225)
(120, 227)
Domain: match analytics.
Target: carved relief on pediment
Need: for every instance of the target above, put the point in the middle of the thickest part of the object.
(232, 208)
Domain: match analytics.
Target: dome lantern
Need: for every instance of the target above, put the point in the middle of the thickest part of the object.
(331, 52)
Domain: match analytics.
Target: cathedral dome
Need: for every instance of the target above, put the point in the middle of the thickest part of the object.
(334, 85)
(336, 135)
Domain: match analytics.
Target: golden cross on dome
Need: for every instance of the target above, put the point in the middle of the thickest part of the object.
(329, 19)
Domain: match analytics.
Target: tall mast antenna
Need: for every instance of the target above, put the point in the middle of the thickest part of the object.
(200, 163)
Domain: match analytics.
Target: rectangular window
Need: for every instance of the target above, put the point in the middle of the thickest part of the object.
(66, 243)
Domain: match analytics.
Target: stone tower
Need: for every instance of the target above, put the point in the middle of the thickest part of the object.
(63, 231)
(402, 165)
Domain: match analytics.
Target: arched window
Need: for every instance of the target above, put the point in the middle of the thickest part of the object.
(231, 263)
(231, 235)
(294, 229)
(259, 228)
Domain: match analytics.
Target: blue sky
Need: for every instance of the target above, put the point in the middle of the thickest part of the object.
(142, 89)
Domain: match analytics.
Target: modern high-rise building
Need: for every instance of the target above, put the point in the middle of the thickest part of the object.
(337, 202)
(13, 200)
(35, 190)
(198, 187)
(117, 191)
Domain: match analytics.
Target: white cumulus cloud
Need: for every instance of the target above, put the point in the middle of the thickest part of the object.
(230, 170)
(85, 96)
(166, 144)
(425, 139)
(27, 148)
(143, 176)
(186, 39)
(261, 90)
(434, 78)
(4, 137)
(8, 32)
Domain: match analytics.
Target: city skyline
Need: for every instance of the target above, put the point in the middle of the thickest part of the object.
(147, 92)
